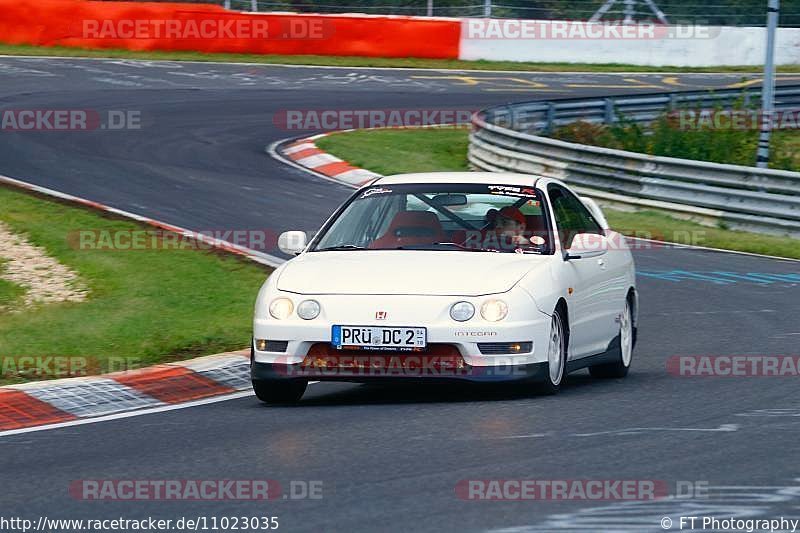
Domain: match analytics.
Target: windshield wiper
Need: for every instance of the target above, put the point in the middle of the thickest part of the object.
(340, 247)
(430, 244)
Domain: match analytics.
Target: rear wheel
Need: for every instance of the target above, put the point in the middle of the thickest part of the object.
(619, 368)
(278, 391)
(556, 355)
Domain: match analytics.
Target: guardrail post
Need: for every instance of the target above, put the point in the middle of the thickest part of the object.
(673, 101)
(227, 4)
(551, 118)
(254, 5)
(609, 111)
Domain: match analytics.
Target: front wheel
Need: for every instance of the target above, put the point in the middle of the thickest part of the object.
(556, 355)
(620, 367)
(279, 391)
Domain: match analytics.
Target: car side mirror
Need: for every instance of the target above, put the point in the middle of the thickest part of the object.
(587, 245)
(292, 242)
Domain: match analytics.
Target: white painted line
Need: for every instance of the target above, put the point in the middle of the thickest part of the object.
(129, 414)
(418, 69)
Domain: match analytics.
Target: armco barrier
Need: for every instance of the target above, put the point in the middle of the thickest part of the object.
(174, 26)
(741, 197)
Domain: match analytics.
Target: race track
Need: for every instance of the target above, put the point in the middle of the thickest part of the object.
(390, 458)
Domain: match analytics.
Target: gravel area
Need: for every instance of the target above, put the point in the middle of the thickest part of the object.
(44, 278)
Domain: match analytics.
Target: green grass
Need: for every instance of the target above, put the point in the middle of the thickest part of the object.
(352, 61)
(786, 147)
(147, 305)
(398, 151)
(435, 149)
(10, 293)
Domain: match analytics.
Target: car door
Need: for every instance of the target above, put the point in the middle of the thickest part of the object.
(592, 313)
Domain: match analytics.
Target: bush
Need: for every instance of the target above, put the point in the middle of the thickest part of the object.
(665, 136)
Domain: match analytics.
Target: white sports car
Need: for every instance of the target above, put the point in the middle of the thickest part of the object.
(448, 276)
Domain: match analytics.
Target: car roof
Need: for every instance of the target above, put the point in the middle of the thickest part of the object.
(495, 178)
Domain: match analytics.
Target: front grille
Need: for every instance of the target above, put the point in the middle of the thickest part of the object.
(505, 348)
(435, 360)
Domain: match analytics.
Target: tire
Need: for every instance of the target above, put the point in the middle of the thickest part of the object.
(556, 354)
(279, 391)
(619, 368)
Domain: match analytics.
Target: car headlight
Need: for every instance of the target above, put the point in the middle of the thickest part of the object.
(494, 310)
(281, 308)
(462, 311)
(308, 309)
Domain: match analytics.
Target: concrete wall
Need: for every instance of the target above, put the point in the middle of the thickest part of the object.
(646, 44)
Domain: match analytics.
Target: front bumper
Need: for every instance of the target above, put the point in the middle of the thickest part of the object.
(456, 350)
(524, 323)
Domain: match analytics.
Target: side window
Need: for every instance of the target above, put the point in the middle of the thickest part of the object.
(572, 217)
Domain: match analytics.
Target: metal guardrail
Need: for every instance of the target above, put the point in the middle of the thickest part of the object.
(767, 201)
(544, 116)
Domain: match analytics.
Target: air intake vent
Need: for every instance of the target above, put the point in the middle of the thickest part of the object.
(276, 346)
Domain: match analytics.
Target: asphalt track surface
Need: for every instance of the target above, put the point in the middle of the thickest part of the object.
(389, 458)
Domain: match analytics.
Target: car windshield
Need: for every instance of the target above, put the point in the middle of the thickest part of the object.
(463, 217)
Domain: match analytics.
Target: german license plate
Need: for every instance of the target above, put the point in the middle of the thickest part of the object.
(379, 337)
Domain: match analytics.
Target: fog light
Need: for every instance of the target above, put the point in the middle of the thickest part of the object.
(261, 345)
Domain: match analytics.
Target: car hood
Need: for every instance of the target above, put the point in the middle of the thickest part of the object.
(435, 273)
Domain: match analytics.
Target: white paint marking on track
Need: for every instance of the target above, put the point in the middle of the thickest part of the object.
(130, 414)
(415, 69)
(724, 428)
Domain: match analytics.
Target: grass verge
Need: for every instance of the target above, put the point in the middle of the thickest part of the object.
(443, 149)
(352, 61)
(148, 305)
(10, 293)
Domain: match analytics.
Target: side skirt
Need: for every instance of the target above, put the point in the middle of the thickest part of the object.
(611, 355)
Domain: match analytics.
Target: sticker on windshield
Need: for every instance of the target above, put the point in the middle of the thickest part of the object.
(510, 190)
(374, 191)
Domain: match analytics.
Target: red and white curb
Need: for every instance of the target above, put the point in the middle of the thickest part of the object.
(305, 153)
(67, 400)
